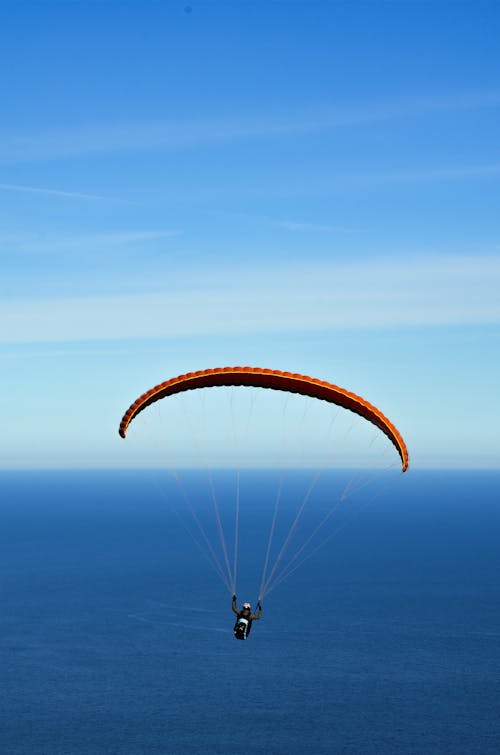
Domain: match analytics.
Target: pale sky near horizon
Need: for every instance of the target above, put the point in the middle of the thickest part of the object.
(306, 186)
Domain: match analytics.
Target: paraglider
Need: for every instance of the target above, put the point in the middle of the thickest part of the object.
(275, 380)
(289, 556)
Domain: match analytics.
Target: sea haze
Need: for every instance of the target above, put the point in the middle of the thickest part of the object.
(117, 633)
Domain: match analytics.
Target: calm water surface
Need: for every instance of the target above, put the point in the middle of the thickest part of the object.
(116, 634)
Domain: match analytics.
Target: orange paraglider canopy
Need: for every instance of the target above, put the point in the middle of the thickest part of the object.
(274, 379)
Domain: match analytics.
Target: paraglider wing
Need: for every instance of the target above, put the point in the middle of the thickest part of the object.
(276, 380)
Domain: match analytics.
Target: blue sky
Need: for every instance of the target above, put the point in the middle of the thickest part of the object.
(307, 186)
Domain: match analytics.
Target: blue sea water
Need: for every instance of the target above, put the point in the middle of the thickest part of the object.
(116, 636)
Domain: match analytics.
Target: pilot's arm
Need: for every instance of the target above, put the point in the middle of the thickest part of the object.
(257, 615)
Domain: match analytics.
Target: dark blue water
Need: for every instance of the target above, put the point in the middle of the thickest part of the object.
(116, 635)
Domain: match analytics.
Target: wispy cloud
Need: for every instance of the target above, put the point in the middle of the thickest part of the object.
(120, 137)
(290, 225)
(286, 223)
(312, 185)
(430, 292)
(113, 238)
(55, 192)
(424, 175)
(88, 242)
(61, 353)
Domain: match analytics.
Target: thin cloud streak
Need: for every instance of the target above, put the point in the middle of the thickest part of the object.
(290, 225)
(63, 353)
(425, 175)
(114, 238)
(89, 242)
(314, 186)
(121, 137)
(56, 192)
(287, 224)
(436, 292)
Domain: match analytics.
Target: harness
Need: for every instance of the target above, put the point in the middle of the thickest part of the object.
(242, 628)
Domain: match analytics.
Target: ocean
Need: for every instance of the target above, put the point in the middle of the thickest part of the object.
(116, 633)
